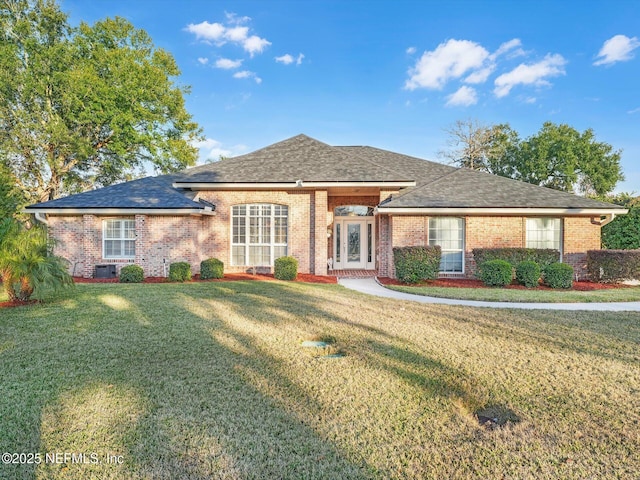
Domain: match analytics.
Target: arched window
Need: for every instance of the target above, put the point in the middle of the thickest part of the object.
(353, 211)
(258, 234)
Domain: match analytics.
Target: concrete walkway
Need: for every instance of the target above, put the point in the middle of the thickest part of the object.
(372, 287)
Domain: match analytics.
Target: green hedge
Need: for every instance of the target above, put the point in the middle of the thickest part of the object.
(285, 268)
(558, 275)
(211, 268)
(179, 272)
(613, 265)
(131, 274)
(541, 256)
(496, 273)
(528, 273)
(417, 264)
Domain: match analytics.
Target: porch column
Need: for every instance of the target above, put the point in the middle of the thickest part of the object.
(321, 252)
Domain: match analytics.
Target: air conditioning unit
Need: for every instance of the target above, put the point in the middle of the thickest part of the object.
(105, 271)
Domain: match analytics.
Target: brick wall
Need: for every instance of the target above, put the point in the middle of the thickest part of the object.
(579, 235)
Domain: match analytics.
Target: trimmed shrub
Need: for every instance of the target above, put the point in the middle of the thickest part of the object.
(496, 273)
(211, 268)
(613, 265)
(285, 268)
(528, 273)
(131, 274)
(416, 264)
(179, 272)
(541, 256)
(558, 275)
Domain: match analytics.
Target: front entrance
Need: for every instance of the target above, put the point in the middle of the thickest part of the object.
(354, 243)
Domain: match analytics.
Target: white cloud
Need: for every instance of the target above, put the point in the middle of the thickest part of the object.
(464, 97)
(228, 64)
(618, 48)
(234, 32)
(207, 31)
(288, 59)
(203, 60)
(247, 74)
(635, 110)
(255, 44)
(533, 74)
(211, 150)
(411, 50)
(512, 46)
(480, 76)
(448, 61)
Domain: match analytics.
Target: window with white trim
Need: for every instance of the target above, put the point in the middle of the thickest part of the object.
(448, 232)
(259, 234)
(544, 233)
(119, 238)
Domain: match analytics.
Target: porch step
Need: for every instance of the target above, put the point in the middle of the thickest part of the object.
(353, 273)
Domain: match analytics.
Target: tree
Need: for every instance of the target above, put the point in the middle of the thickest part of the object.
(27, 267)
(558, 156)
(478, 146)
(11, 198)
(86, 106)
(623, 233)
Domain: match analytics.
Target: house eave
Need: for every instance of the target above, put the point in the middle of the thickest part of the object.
(121, 211)
(498, 211)
(297, 185)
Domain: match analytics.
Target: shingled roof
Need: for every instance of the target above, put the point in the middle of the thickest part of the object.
(299, 157)
(149, 193)
(436, 186)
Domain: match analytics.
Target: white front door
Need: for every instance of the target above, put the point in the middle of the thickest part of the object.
(353, 244)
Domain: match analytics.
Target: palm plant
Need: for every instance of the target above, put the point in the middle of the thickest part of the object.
(27, 267)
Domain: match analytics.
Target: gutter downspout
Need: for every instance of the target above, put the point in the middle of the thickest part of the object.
(42, 218)
(603, 221)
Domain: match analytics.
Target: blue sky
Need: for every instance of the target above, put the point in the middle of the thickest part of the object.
(396, 74)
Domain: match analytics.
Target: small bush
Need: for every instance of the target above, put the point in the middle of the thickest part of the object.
(179, 272)
(131, 274)
(417, 264)
(541, 256)
(285, 268)
(613, 265)
(496, 273)
(211, 268)
(558, 275)
(528, 274)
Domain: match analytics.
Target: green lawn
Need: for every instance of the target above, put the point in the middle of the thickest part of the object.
(630, 294)
(208, 380)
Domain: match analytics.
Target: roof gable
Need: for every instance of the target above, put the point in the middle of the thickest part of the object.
(297, 158)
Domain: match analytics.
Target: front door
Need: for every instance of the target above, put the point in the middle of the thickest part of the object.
(355, 250)
(353, 244)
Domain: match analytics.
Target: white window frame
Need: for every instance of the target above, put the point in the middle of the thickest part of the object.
(450, 250)
(271, 241)
(529, 230)
(122, 239)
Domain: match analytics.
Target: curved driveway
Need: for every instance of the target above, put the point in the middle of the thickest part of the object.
(372, 287)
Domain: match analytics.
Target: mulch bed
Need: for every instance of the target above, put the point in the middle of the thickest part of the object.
(470, 283)
(228, 277)
(17, 303)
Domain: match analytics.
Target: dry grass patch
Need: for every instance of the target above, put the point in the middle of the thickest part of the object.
(210, 381)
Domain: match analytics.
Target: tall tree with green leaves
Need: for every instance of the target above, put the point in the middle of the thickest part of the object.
(561, 157)
(624, 232)
(86, 106)
(558, 156)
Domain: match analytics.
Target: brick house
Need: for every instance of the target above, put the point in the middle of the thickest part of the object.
(332, 208)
